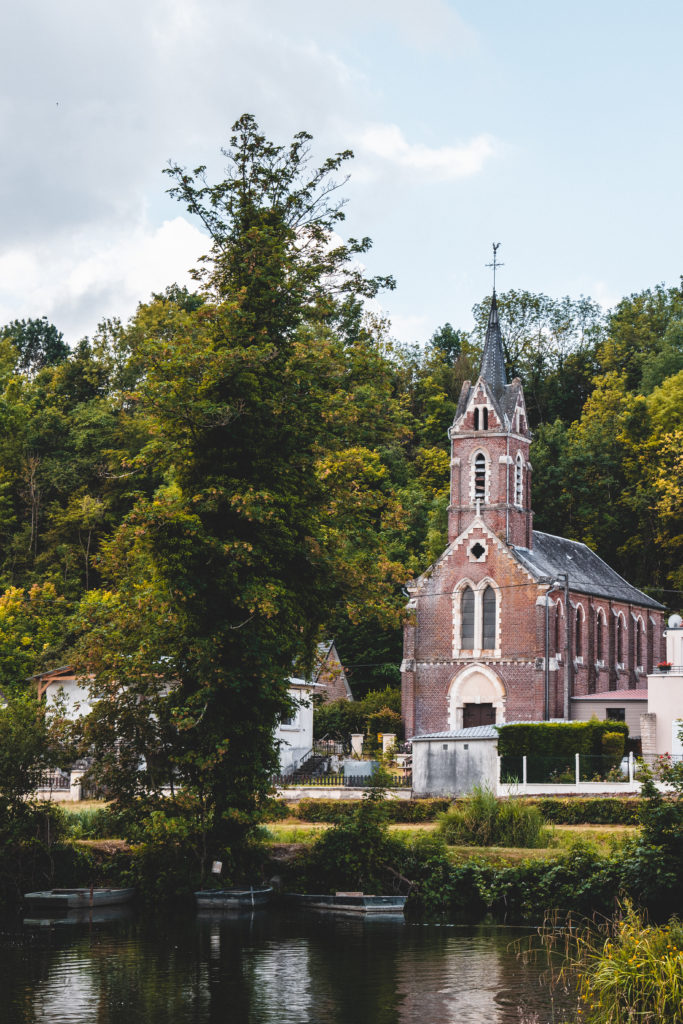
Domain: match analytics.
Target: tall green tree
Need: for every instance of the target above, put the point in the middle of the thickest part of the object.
(273, 509)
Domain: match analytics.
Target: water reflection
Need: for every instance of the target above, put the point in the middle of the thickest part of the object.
(265, 968)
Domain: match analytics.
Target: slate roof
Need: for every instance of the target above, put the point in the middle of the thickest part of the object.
(587, 572)
(493, 360)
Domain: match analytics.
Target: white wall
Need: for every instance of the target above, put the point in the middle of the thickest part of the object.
(296, 737)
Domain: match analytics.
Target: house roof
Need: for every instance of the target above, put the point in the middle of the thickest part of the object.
(476, 732)
(620, 695)
(587, 572)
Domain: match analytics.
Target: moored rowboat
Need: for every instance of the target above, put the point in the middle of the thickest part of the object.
(233, 899)
(77, 899)
(349, 903)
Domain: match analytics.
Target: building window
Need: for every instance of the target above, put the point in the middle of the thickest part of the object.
(489, 620)
(485, 415)
(519, 482)
(599, 639)
(639, 644)
(558, 631)
(620, 639)
(476, 418)
(480, 477)
(578, 649)
(616, 714)
(467, 616)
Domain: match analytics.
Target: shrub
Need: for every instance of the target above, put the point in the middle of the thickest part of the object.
(405, 812)
(612, 748)
(589, 810)
(626, 969)
(482, 820)
(550, 746)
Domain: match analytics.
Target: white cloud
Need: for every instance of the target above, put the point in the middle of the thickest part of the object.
(387, 143)
(76, 283)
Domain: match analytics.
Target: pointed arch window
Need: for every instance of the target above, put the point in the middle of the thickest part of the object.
(578, 650)
(558, 631)
(485, 417)
(476, 418)
(599, 640)
(489, 619)
(519, 481)
(480, 476)
(639, 642)
(467, 619)
(620, 639)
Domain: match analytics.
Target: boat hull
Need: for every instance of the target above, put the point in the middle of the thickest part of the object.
(77, 899)
(349, 903)
(233, 899)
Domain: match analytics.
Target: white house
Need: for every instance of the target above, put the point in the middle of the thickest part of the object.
(294, 735)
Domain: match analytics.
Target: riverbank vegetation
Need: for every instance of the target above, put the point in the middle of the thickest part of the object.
(623, 968)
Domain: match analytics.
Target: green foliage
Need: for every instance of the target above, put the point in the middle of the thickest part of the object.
(37, 342)
(550, 747)
(613, 748)
(589, 810)
(396, 811)
(355, 853)
(480, 819)
(378, 711)
(625, 968)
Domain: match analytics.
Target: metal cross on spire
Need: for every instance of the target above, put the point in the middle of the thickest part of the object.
(495, 264)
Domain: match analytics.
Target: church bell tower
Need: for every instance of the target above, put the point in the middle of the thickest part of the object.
(490, 438)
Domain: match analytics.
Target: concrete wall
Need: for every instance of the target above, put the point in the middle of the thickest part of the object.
(583, 711)
(443, 767)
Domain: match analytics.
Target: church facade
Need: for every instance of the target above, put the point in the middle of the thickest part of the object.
(511, 624)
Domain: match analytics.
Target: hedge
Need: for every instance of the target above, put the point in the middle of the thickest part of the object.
(573, 810)
(592, 810)
(550, 747)
(399, 812)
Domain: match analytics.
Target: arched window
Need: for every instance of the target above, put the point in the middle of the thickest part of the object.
(467, 619)
(476, 418)
(578, 649)
(489, 620)
(639, 642)
(599, 641)
(558, 630)
(480, 476)
(485, 413)
(519, 481)
(620, 639)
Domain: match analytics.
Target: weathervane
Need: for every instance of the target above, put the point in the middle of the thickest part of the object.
(496, 247)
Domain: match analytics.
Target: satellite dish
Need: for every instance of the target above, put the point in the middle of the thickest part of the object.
(675, 622)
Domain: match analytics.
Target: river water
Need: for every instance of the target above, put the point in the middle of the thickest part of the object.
(267, 968)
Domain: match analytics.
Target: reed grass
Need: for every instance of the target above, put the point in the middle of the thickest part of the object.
(625, 969)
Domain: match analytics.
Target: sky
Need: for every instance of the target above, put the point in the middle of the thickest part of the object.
(554, 129)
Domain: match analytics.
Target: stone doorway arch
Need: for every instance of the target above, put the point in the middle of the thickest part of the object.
(476, 696)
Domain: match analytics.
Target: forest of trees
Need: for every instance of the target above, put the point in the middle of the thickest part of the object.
(201, 494)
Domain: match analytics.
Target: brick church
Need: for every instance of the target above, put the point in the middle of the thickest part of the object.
(511, 624)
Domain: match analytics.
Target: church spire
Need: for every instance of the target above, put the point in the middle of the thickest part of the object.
(493, 360)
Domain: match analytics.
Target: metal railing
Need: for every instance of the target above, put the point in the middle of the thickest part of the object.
(337, 779)
(55, 780)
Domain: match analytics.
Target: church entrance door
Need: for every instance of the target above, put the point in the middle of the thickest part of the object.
(478, 714)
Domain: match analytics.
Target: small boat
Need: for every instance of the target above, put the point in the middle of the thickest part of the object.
(233, 899)
(77, 899)
(349, 903)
